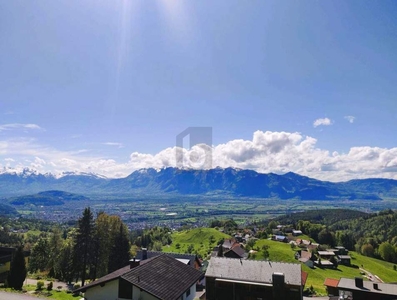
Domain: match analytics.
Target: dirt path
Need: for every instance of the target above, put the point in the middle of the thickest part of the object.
(371, 277)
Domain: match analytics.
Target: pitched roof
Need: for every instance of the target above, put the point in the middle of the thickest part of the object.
(104, 279)
(109, 277)
(306, 254)
(228, 243)
(164, 277)
(304, 277)
(326, 253)
(150, 254)
(253, 270)
(331, 282)
(368, 286)
(240, 252)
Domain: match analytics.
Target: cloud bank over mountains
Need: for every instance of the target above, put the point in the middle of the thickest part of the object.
(277, 152)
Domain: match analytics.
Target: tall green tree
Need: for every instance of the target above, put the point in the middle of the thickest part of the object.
(40, 255)
(106, 230)
(84, 244)
(120, 252)
(55, 244)
(17, 274)
(387, 252)
(64, 264)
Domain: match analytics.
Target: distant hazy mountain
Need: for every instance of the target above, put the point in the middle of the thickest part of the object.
(46, 198)
(229, 181)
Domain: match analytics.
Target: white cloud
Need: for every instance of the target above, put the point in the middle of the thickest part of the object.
(277, 152)
(12, 126)
(118, 145)
(322, 122)
(350, 119)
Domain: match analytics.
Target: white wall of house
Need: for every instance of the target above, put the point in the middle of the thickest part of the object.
(192, 293)
(108, 292)
(137, 294)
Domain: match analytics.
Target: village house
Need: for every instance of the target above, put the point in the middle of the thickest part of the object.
(189, 259)
(358, 289)
(249, 279)
(236, 252)
(280, 238)
(229, 244)
(305, 257)
(296, 232)
(158, 278)
(326, 254)
(331, 285)
(344, 260)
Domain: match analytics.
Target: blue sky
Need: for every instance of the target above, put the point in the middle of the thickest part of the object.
(105, 86)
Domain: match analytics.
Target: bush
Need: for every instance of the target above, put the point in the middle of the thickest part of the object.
(40, 285)
(76, 286)
(49, 286)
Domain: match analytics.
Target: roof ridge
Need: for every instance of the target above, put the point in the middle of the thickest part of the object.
(277, 262)
(161, 252)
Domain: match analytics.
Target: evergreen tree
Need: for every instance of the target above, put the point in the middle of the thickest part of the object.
(84, 244)
(40, 255)
(64, 265)
(17, 274)
(55, 244)
(120, 252)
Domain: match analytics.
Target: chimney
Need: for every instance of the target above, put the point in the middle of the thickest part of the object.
(278, 280)
(376, 286)
(144, 253)
(134, 263)
(359, 282)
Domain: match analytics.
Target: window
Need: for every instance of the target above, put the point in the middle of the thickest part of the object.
(188, 293)
(125, 289)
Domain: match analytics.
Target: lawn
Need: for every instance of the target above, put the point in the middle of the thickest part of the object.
(202, 239)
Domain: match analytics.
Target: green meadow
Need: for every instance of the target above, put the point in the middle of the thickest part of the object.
(198, 240)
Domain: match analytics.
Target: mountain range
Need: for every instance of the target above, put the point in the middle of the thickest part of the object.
(216, 182)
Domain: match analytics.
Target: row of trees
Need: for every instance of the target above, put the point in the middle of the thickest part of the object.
(93, 249)
(152, 238)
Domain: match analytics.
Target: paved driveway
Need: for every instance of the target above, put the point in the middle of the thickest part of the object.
(15, 296)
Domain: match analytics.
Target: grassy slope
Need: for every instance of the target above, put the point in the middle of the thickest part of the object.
(283, 252)
(199, 237)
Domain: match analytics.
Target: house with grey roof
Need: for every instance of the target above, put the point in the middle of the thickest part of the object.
(158, 278)
(360, 289)
(236, 252)
(189, 259)
(228, 278)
